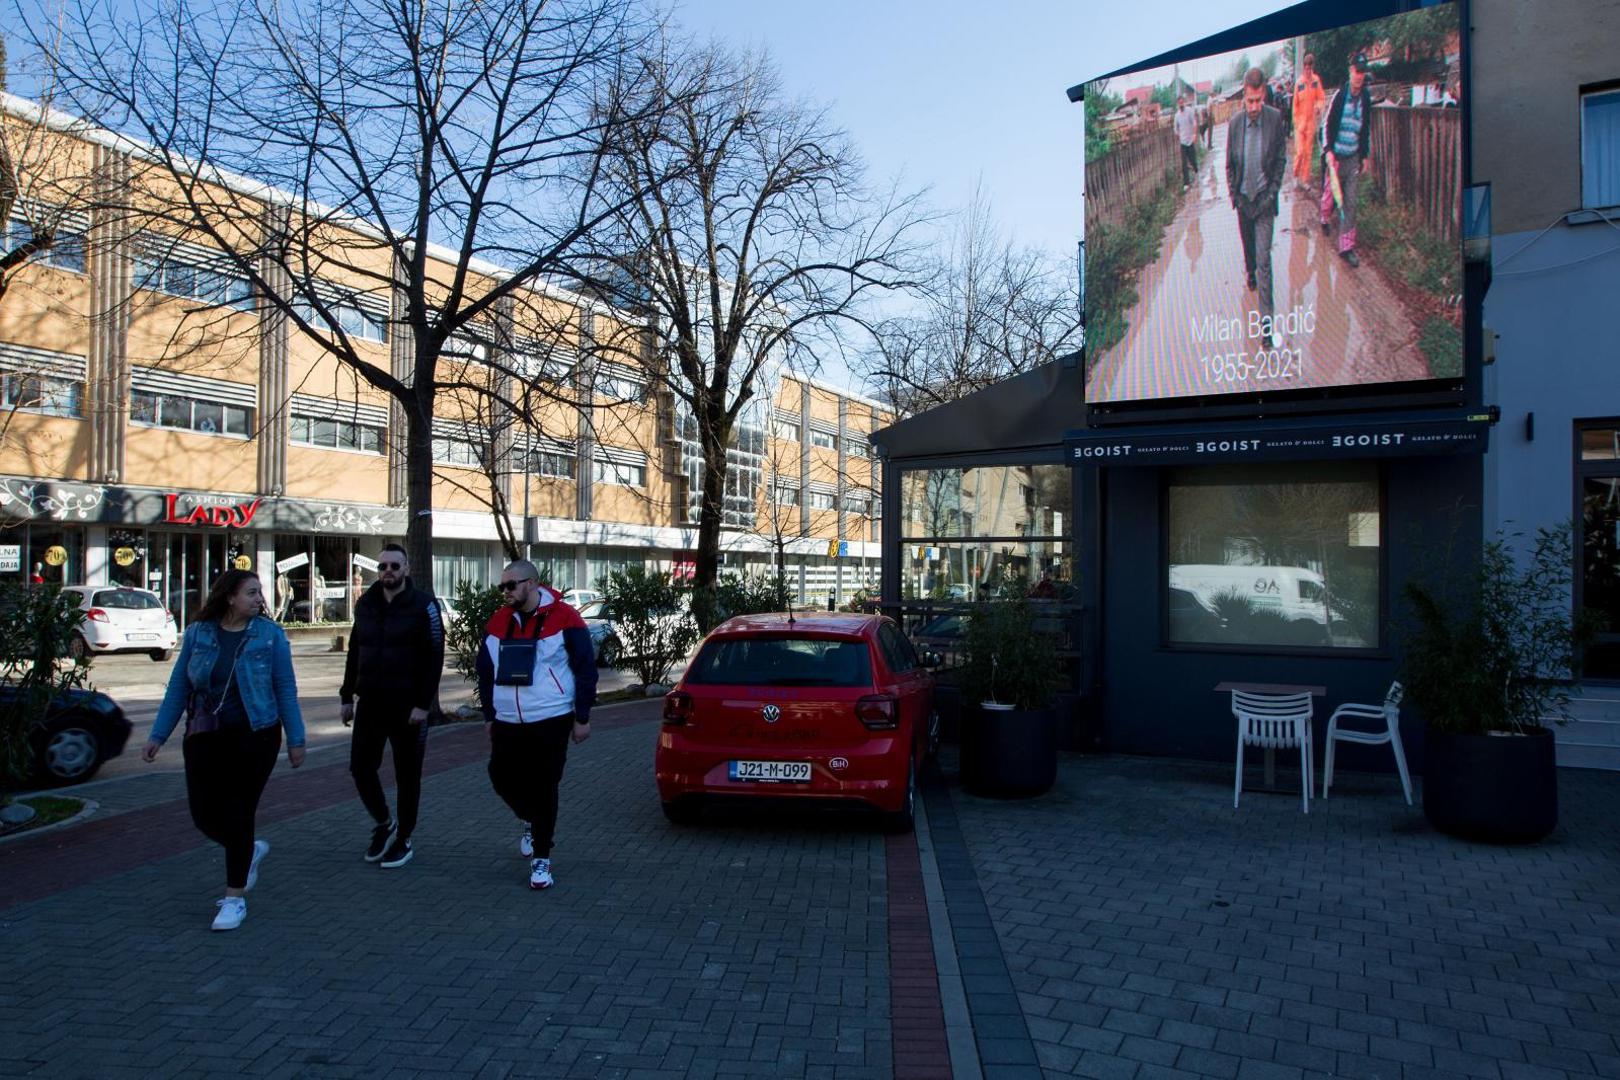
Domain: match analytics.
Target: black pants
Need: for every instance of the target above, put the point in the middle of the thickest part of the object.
(526, 765)
(226, 771)
(1189, 163)
(1256, 229)
(384, 722)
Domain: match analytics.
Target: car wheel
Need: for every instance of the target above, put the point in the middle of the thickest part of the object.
(70, 753)
(904, 820)
(78, 649)
(608, 655)
(685, 811)
(159, 655)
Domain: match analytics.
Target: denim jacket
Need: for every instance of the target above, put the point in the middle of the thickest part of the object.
(264, 673)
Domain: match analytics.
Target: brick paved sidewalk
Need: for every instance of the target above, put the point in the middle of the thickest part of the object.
(1152, 932)
(753, 945)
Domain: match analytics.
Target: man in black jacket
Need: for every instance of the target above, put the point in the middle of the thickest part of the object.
(396, 653)
(1255, 142)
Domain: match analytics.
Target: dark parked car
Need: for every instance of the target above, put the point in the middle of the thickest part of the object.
(80, 730)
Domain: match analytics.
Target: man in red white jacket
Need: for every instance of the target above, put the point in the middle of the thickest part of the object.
(537, 683)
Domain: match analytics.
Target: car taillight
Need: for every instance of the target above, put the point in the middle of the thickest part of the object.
(95, 614)
(677, 707)
(168, 615)
(878, 711)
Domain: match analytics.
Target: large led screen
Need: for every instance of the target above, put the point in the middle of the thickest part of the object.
(1280, 217)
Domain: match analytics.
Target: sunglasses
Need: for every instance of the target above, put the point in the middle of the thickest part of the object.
(508, 586)
(390, 566)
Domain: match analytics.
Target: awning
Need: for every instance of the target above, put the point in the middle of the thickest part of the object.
(1406, 434)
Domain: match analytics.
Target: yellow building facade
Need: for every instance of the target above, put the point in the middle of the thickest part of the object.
(163, 423)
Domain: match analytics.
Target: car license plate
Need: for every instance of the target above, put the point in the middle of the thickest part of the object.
(142, 637)
(770, 772)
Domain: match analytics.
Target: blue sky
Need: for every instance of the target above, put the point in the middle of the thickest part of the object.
(950, 95)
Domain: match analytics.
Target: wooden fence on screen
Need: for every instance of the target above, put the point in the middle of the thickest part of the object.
(1130, 174)
(1417, 159)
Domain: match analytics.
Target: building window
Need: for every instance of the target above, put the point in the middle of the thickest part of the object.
(462, 452)
(857, 503)
(65, 253)
(785, 429)
(856, 448)
(822, 500)
(618, 473)
(189, 414)
(787, 495)
(1279, 556)
(548, 463)
(335, 434)
(355, 321)
(48, 395)
(1600, 149)
(827, 440)
(622, 384)
(170, 273)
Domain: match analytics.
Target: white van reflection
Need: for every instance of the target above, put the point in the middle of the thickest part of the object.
(1276, 604)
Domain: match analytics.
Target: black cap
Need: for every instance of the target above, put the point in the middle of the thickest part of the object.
(1359, 61)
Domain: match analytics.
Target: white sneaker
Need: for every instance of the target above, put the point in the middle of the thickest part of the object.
(261, 848)
(232, 910)
(526, 844)
(540, 874)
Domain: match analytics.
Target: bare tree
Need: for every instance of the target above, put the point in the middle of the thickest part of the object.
(767, 237)
(989, 310)
(443, 158)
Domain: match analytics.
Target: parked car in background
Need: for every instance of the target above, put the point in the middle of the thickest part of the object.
(604, 635)
(118, 618)
(579, 597)
(944, 636)
(821, 707)
(80, 730)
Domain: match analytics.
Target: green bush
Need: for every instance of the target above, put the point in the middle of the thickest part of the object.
(1007, 660)
(1491, 646)
(464, 637)
(750, 594)
(653, 618)
(36, 628)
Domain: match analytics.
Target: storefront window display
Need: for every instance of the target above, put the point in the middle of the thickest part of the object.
(1285, 555)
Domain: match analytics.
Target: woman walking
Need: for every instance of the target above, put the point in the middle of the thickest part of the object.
(234, 685)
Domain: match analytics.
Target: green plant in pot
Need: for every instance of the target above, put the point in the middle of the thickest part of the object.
(1487, 656)
(1009, 742)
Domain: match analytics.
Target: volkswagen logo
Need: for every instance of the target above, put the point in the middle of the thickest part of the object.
(772, 713)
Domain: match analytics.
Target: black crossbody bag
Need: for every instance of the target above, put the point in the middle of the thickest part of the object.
(202, 716)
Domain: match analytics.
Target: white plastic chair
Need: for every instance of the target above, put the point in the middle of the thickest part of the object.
(1390, 713)
(1274, 722)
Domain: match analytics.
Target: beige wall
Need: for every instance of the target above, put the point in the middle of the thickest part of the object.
(1530, 60)
(342, 476)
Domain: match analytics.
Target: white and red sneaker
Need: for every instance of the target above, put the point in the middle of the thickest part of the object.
(540, 874)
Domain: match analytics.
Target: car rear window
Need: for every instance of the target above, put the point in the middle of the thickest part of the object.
(126, 598)
(782, 661)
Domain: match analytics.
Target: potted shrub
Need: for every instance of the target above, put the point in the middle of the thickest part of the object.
(1488, 655)
(1009, 741)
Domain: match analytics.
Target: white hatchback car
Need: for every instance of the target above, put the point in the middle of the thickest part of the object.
(121, 619)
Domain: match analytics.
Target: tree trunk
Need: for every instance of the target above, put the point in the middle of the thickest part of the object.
(419, 492)
(709, 520)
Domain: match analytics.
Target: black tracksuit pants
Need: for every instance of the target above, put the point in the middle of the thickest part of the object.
(226, 771)
(379, 723)
(526, 766)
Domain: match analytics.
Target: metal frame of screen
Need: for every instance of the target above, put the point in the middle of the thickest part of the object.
(1304, 18)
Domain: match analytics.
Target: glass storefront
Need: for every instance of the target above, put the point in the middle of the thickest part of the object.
(1599, 557)
(43, 552)
(1274, 555)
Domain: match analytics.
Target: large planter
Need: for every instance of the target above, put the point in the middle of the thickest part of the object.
(1008, 753)
(1502, 789)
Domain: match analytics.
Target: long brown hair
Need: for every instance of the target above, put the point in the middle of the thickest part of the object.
(219, 597)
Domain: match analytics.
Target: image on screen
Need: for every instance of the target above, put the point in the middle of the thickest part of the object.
(1280, 217)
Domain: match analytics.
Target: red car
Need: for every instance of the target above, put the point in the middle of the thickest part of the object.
(830, 707)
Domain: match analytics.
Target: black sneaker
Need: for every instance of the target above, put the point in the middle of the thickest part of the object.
(398, 854)
(379, 841)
